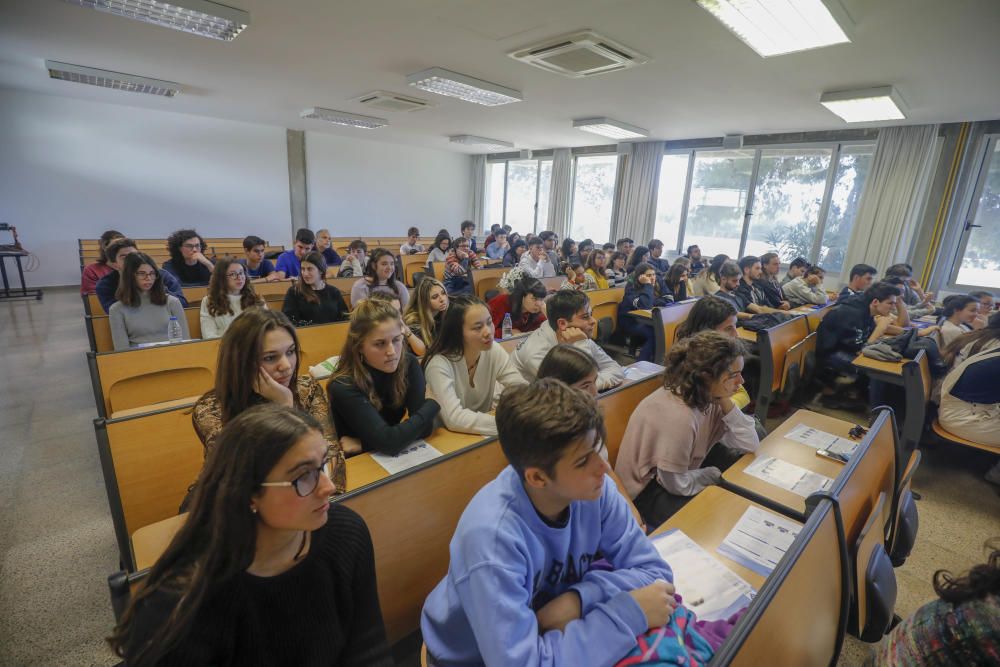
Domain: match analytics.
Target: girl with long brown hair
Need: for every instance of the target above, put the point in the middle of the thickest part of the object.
(426, 309)
(376, 383)
(265, 570)
(259, 363)
(229, 294)
(143, 309)
(380, 276)
(310, 300)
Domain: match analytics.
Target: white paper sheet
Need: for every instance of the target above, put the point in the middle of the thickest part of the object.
(642, 369)
(818, 439)
(788, 476)
(708, 587)
(418, 452)
(759, 539)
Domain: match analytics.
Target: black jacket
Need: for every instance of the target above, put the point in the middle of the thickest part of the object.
(846, 327)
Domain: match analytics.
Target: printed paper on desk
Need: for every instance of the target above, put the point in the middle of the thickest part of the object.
(817, 439)
(643, 369)
(708, 587)
(416, 453)
(788, 476)
(759, 540)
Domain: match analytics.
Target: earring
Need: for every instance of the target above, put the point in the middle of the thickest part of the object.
(253, 509)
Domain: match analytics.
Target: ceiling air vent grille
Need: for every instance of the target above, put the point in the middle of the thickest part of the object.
(394, 102)
(579, 55)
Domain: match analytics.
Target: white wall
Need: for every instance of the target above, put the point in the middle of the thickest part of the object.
(363, 187)
(71, 168)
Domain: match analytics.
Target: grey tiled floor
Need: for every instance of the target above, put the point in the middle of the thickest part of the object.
(57, 545)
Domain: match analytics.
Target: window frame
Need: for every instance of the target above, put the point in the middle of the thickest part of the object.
(969, 208)
(506, 172)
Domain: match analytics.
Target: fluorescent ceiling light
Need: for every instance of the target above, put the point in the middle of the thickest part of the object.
(871, 104)
(608, 127)
(198, 17)
(472, 140)
(774, 27)
(467, 88)
(106, 79)
(344, 118)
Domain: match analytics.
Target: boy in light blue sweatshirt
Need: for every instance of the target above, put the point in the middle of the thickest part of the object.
(520, 588)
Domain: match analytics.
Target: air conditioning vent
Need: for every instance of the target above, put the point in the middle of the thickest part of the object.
(579, 55)
(386, 101)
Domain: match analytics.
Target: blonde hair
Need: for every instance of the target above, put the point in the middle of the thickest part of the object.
(351, 368)
(418, 313)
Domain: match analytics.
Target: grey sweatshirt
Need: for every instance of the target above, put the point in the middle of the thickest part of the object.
(145, 324)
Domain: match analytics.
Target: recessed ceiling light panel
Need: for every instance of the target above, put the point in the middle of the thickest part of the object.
(466, 88)
(108, 79)
(776, 27)
(198, 17)
(868, 105)
(344, 118)
(485, 142)
(608, 127)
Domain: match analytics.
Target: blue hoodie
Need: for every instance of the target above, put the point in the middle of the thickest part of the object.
(506, 563)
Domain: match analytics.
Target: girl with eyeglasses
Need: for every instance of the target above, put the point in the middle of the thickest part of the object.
(229, 293)
(143, 308)
(265, 570)
(187, 262)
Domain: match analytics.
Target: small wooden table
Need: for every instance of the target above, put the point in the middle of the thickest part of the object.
(641, 314)
(887, 371)
(778, 446)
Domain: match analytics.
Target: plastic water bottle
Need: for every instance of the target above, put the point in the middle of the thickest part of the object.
(507, 328)
(174, 333)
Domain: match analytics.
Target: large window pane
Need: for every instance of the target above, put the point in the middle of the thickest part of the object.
(852, 173)
(718, 201)
(981, 261)
(786, 201)
(544, 185)
(522, 179)
(494, 193)
(670, 199)
(593, 197)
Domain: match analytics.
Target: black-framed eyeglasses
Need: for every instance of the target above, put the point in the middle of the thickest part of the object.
(307, 482)
(192, 246)
(234, 275)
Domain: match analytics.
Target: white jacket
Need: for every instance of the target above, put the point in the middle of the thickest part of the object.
(529, 354)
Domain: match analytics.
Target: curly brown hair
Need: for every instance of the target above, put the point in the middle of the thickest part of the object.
(694, 364)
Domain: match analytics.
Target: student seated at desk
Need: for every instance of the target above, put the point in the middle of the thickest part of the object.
(439, 249)
(513, 256)
(356, 261)
(570, 320)
(499, 246)
(289, 261)
(640, 294)
(751, 289)
(986, 306)
(768, 283)
(258, 267)
(961, 627)
(412, 245)
(520, 588)
(376, 383)
(536, 262)
(524, 300)
(461, 259)
(324, 246)
(861, 278)
(796, 269)
(597, 262)
(917, 302)
(806, 289)
(187, 263)
(229, 294)
(730, 278)
(958, 318)
(713, 314)
(265, 570)
(681, 437)
(853, 323)
(675, 282)
(708, 279)
(380, 276)
(93, 272)
(259, 363)
(143, 309)
(310, 300)
(464, 367)
(426, 310)
(107, 287)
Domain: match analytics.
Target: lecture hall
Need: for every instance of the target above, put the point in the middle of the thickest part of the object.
(571, 333)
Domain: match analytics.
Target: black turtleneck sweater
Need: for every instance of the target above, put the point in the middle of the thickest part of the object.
(323, 611)
(383, 430)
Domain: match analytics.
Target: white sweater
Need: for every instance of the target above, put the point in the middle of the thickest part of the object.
(529, 354)
(465, 408)
(213, 326)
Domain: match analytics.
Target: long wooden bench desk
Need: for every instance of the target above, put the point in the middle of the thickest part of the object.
(914, 376)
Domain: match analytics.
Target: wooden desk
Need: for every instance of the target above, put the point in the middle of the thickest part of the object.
(707, 519)
(887, 371)
(641, 314)
(780, 447)
(746, 334)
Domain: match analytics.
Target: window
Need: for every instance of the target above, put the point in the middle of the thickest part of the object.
(670, 199)
(593, 197)
(979, 258)
(717, 207)
(787, 197)
(518, 194)
(852, 173)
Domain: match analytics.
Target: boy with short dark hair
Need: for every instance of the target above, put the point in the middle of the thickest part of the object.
(697, 263)
(257, 266)
(570, 321)
(861, 278)
(520, 588)
(656, 258)
(290, 261)
(467, 229)
(796, 269)
(412, 245)
(356, 260)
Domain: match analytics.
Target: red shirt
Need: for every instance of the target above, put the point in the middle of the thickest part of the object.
(500, 306)
(91, 275)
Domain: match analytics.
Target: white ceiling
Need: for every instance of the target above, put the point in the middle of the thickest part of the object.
(943, 58)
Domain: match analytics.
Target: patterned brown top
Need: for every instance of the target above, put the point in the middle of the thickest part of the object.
(207, 419)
